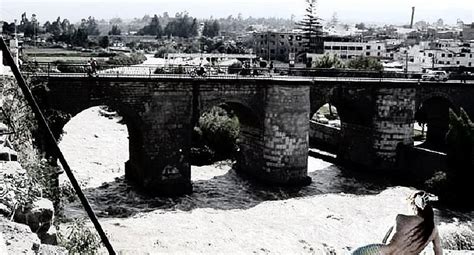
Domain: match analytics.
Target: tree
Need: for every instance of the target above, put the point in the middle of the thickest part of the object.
(104, 42)
(153, 28)
(8, 28)
(328, 61)
(211, 29)
(312, 28)
(115, 30)
(182, 25)
(334, 20)
(365, 63)
(361, 26)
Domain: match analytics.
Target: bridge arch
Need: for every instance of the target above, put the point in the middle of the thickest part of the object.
(251, 131)
(433, 110)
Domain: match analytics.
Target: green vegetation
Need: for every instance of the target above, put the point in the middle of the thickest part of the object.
(453, 185)
(215, 137)
(79, 239)
(365, 63)
(122, 59)
(154, 28)
(115, 30)
(182, 25)
(235, 68)
(34, 154)
(311, 26)
(211, 29)
(328, 61)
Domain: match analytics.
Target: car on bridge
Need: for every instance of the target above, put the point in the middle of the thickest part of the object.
(435, 76)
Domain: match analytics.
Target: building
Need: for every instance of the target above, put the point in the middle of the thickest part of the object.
(444, 53)
(349, 50)
(281, 46)
(468, 32)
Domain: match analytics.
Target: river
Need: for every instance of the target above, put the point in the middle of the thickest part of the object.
(227, 214)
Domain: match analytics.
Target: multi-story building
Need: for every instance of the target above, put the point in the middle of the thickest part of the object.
(349, 50)
(282, 46)
(468, 32)
(442, 53)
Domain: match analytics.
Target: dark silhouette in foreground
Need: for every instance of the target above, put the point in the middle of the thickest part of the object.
(412, 232)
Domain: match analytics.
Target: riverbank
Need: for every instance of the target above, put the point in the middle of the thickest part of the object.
(226, 213)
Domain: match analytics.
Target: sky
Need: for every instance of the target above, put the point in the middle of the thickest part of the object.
(369, 11)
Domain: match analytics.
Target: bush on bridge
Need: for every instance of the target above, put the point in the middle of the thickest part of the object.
(124, 60)
(453, 185)
(235, 67)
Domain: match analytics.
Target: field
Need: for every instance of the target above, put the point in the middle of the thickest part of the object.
(56, 54)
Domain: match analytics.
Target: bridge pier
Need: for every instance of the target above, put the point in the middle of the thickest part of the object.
(280, 157)
(374, 145)
(161, 163)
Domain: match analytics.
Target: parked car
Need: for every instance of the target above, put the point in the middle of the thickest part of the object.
(435, 76)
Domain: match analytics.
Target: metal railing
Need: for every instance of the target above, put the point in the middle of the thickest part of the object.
(220, 72)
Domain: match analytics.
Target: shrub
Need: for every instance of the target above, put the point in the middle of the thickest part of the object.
(220, 131)
(365, 63)
(123, 59)
(235, 68)
(79, 239)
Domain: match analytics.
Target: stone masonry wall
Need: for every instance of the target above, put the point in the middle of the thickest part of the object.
(392, 124)
(286, 134)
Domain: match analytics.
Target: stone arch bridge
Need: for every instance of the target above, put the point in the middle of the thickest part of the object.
(160, 113)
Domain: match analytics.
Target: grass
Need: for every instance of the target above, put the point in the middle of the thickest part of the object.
(55, 54)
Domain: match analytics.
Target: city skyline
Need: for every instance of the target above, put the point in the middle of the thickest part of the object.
(370, 11)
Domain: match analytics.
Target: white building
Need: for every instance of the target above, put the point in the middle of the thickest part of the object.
(350, 50)
(444, 53)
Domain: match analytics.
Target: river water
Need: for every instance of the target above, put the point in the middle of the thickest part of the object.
(228, 214)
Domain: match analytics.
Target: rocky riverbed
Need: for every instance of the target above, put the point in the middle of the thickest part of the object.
(226, 213)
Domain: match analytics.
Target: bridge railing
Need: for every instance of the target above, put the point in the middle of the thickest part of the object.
(179, 71)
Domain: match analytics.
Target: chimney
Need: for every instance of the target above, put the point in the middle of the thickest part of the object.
(412, 16)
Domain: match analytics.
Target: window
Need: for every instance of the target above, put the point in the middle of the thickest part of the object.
(352, 48)
(378, 54)
(336, 47)
(290, 37)
(282, 43)
(457, 62)
(282, 36)
(359, 48)
(291, 43)
(327, 47)
(443, 55)
(379, 47)
(343, 56)
(430, 55)
(343, 47)
(469, 64)
(272, 51)
(367, 53)
(470, 55)
(367, 47)
(463, 55)
(448, 63)
(440, 62)
(450, 55)
(298, 38)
